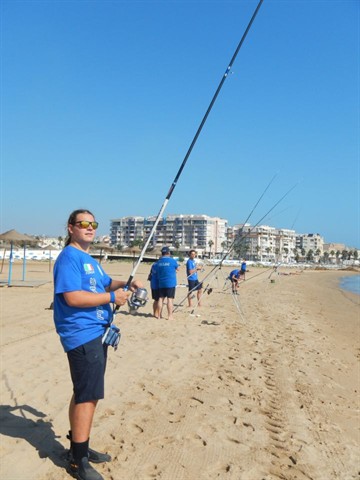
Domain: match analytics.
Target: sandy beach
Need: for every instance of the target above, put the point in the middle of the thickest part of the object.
(263, 386)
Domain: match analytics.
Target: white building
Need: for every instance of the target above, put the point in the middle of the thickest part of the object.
(266, 243)
(180, 231)
(310, 241)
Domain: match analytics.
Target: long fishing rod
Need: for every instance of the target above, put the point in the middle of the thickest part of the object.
(174, 183)
(236, 242)
(250, 214)
(260, 198)
(207, 289)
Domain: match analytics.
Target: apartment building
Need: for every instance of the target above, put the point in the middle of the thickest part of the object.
(180, 231)
(266, 243)
(310, 241)
(125, 230)
(183, 232)
(334, 247)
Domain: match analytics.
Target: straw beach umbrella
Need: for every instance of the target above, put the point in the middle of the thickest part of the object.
(135, 249)
(14, 238)
(155, 251)
(103, 247)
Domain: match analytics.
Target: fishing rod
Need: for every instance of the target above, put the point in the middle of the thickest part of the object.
(138, 298)
(227, 253)
(242, 239)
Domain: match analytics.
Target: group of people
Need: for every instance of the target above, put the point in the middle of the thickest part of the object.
(163, 281)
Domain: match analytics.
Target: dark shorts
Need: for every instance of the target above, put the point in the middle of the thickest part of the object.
(194, 285)
(87, 367)
(155, 294)
(167, 292)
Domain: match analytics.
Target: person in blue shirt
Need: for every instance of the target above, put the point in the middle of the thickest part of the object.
(192, 276)
(83, 293)
(234, 277)
(154, 285)
(243, 269)
(166, 271)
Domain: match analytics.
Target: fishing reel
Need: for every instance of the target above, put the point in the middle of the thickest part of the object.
(137, 299)
(111, 336)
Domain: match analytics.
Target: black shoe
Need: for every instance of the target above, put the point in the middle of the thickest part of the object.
(93, 455)
(98, 457)
(83, 471)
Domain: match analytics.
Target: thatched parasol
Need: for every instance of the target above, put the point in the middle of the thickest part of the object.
(155, 251)
(16, 238)
(134, 250)
(103, 247)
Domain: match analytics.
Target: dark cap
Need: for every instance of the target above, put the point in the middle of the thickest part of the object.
(165, 250)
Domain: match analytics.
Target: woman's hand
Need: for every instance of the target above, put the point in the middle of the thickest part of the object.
(135, 285)
(121, 296)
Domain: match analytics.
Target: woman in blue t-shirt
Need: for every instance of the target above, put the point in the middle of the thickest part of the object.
(82, 296)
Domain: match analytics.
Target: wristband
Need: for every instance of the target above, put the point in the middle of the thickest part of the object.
(112, 297)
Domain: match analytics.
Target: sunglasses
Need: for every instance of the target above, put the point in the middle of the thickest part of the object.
(85, 224)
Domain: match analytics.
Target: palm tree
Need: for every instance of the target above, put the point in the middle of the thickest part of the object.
(210, 243)
(310, 255)
(337, 254)
(138, 242)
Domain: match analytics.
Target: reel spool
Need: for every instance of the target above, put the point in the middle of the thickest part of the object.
(137, 299)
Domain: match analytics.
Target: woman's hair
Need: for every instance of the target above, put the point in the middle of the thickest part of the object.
(72, 220)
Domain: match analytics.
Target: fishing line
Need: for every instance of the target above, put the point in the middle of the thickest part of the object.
(174, 183)
(207, 290)
(236, 301)
(259, 200)
(297, 216)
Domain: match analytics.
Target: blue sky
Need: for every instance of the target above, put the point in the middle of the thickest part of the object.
(100, 101)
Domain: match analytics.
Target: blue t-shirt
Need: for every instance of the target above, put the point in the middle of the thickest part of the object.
(243, 267)
(166, 268)
(76, 270)
(234, 273)
(190, 265)
(154, 281)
